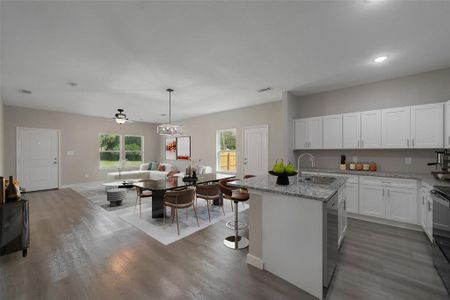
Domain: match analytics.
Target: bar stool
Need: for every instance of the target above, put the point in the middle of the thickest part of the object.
(235, 241)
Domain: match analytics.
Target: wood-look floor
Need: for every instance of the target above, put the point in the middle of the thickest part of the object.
(80, 251)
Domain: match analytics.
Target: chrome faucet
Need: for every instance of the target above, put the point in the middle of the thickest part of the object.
(311, 158)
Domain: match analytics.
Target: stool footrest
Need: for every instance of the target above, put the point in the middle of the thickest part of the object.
(239, 225)
(232, 243)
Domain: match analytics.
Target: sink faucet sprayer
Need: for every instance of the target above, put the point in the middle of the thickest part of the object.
(311, 158)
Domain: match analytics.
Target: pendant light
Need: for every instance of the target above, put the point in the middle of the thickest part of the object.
(168, 128)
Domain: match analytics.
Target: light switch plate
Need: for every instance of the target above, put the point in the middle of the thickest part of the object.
(408, 161)
(70, 153)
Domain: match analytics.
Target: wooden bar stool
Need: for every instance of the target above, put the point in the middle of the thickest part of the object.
(235, 241)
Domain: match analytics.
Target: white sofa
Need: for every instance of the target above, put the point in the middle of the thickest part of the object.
(142, 173)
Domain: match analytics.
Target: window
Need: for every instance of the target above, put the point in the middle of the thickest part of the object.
(109, 149)
(226, 150)
(116, 151)
(133, 150)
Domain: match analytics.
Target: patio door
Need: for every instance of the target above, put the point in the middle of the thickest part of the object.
(37, 155)
(256, 150)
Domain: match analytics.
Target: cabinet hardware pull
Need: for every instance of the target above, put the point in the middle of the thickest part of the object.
(383, 192)
(413, 143)
(360, 146)
(389, 193)
(407, 143)
(423, 200)
(429, 206)
(449, 139)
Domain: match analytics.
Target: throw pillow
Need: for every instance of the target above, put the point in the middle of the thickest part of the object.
(149, 166)
(161, 167)
(153, 166)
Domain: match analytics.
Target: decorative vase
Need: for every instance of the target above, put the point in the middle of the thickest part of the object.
(12, 193)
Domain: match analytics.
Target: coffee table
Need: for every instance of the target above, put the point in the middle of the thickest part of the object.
(124, 184)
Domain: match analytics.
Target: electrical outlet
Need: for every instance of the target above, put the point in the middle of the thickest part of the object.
(355, 159)
(408, 161)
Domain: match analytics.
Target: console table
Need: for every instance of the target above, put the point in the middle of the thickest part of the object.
(14, 227)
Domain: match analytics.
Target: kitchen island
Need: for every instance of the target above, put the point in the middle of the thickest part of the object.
(294, 228)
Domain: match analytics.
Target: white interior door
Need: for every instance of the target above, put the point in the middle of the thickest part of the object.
(38, 158)
(256, 150)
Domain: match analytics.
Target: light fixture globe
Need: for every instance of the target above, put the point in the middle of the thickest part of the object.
(168, 128)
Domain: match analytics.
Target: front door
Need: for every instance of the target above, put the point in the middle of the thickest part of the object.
(256, 144)
(38, 158)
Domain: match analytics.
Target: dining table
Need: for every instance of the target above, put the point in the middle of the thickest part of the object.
(160, 187)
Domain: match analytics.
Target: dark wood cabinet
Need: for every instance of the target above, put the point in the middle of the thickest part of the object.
(14, 227)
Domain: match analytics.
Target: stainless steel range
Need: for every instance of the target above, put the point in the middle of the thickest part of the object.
(441, 232)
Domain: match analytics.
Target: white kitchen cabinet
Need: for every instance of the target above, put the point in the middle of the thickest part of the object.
(370, 129)
(351, 132)
(396, 127)
(447, 125)
(401, 204)
(300, 133)
(352, 194)
(342, 215)
(426, 214)
(315, 134)
(427, 126)
(308, 133)
(372, 200)
(332, 132)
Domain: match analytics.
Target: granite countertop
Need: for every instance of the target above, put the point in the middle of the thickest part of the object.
(267, 183)
(426, 178)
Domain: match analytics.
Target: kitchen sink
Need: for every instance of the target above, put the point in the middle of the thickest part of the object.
(317, 179)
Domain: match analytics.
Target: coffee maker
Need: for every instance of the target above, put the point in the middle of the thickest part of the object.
(442, 161)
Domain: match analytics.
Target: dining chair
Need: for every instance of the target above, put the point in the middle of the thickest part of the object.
(208, 192)
(180, 199)
(141, 193)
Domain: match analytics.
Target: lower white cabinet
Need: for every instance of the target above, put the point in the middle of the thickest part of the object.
(401, 204)
(426, 214)
(342, 220)
(351, 203)
(371, 200)
(393, 199)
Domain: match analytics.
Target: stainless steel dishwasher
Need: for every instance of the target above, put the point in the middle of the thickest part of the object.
(330, 238)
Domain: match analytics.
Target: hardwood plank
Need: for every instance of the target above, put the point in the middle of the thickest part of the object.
(80, 251)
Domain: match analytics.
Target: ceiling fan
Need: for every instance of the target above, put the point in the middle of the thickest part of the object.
(120, 117)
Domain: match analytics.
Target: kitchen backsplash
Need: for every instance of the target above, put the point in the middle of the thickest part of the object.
(386, 160)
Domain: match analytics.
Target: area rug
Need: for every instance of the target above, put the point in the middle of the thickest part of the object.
(164, 233)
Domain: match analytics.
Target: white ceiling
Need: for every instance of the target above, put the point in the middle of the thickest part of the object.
(214, 54)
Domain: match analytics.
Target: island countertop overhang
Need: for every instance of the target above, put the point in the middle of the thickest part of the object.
(313, 191)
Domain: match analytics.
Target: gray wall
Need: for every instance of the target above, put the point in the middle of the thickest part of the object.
(2, 138)
(421, 88)
(203, 132)
(79, 134)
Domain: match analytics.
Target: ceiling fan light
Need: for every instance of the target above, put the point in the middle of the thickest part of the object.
(120, 120)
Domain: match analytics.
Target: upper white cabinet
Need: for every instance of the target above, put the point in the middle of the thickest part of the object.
(300, 133)
(351, 132)
(421, 126)
(308, 133)
(447, 125)
(395, 123)
(332, 132)
(315, 133)
(370, 129)
(427, 125)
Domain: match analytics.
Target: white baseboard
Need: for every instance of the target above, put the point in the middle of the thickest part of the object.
(255, 261)
(385, 221)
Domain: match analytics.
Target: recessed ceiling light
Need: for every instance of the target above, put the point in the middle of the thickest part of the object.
(23, 91)
(380, 59)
